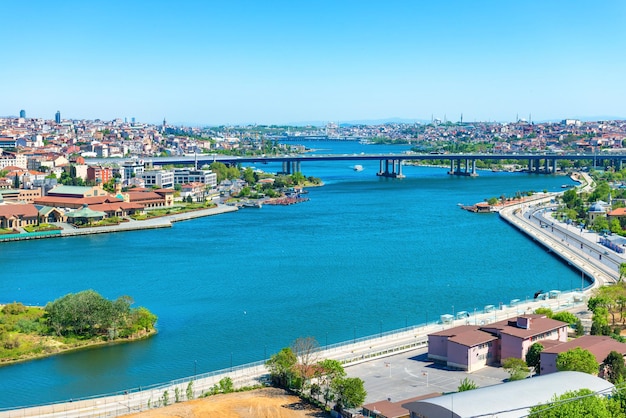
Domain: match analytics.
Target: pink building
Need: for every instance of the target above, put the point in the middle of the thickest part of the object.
(471, 347)
(599, 345)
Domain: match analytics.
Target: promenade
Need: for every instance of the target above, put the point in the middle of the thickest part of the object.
(377, 350)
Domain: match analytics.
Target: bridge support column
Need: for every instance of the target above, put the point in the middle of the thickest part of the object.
(394, 173)
(546, 165)
(286, 167)
(554, 166)
(473, 174)
(451, 166)
(295, 167)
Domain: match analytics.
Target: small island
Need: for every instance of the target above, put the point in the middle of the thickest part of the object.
(71, 322)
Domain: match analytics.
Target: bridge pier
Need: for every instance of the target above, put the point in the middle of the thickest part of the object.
(394, 172)
(291, 167)
(456, 170)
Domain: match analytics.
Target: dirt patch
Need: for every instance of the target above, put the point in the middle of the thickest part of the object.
(260, 403)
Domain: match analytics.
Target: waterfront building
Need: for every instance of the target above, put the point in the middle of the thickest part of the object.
(151, 199)
(471, 347)
(17, 216)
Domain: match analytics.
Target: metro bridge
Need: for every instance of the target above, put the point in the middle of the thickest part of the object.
(391, 164)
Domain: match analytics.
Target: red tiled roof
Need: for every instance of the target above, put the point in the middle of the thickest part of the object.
(599, 345)
(25, 210)
(617, 212)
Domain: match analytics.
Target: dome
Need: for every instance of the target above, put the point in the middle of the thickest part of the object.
(597, 207)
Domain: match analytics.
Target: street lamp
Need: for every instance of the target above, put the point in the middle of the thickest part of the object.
(453, 314)
(354, 339)
(195, 368)
(381, 328)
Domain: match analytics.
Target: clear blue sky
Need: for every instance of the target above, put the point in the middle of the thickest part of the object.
(275, 62)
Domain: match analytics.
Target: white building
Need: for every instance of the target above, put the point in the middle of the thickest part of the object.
(185, 175)
(163, 179)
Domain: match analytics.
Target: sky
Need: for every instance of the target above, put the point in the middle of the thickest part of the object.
(294, 62)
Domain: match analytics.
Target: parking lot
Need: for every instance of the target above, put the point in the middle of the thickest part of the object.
(410, 374)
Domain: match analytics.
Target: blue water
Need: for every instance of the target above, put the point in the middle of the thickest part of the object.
(365, 254)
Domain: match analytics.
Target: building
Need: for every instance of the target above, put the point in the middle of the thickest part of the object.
(131, 169)
(598, 345)
(163, 179)
(57, 117)
(507, 400)
(23, 114)
(151, 199)
(185, 175)
(471, 347)
(77, 191)
(17, 216)
(99, 174)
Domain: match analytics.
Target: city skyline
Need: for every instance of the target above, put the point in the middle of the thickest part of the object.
(276, 63)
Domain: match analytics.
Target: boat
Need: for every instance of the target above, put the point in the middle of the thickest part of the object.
(358, 167)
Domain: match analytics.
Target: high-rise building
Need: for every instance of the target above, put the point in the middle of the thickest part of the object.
(57, 116)
(23, 114)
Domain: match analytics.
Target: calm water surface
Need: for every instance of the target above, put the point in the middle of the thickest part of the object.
(365, 254)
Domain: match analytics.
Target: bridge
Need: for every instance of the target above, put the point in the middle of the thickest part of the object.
(391, 164)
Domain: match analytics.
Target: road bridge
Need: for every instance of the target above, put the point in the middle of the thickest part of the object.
(391, 164)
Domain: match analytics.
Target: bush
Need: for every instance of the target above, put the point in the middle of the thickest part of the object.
(14, 308)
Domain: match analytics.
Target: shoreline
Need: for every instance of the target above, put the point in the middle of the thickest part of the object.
(166, 221)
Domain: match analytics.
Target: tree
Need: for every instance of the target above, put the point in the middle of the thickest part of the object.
(615, 368)
(467, 384)
(533, 356)
(576, 404)
(248, 176)
(577, 359)
(516, 367)
(280, 366)
(350, 392)
(622, 271)
(306, 350)
(544, 311)
(329, 370)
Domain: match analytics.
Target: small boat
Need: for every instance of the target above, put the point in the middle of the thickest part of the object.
(358, 167)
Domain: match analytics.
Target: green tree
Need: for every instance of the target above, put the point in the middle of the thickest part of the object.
(329, 370)
(565, 316)
(515, 367)
(577, 359)
(349, 391)
(248, 176)
(575, 404)
(544, 311)
(622, 271)
(615, 368)
(280, 366)
(533, 356)
(467, 384)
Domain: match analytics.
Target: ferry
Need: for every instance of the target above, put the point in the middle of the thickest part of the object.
(358, 167)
